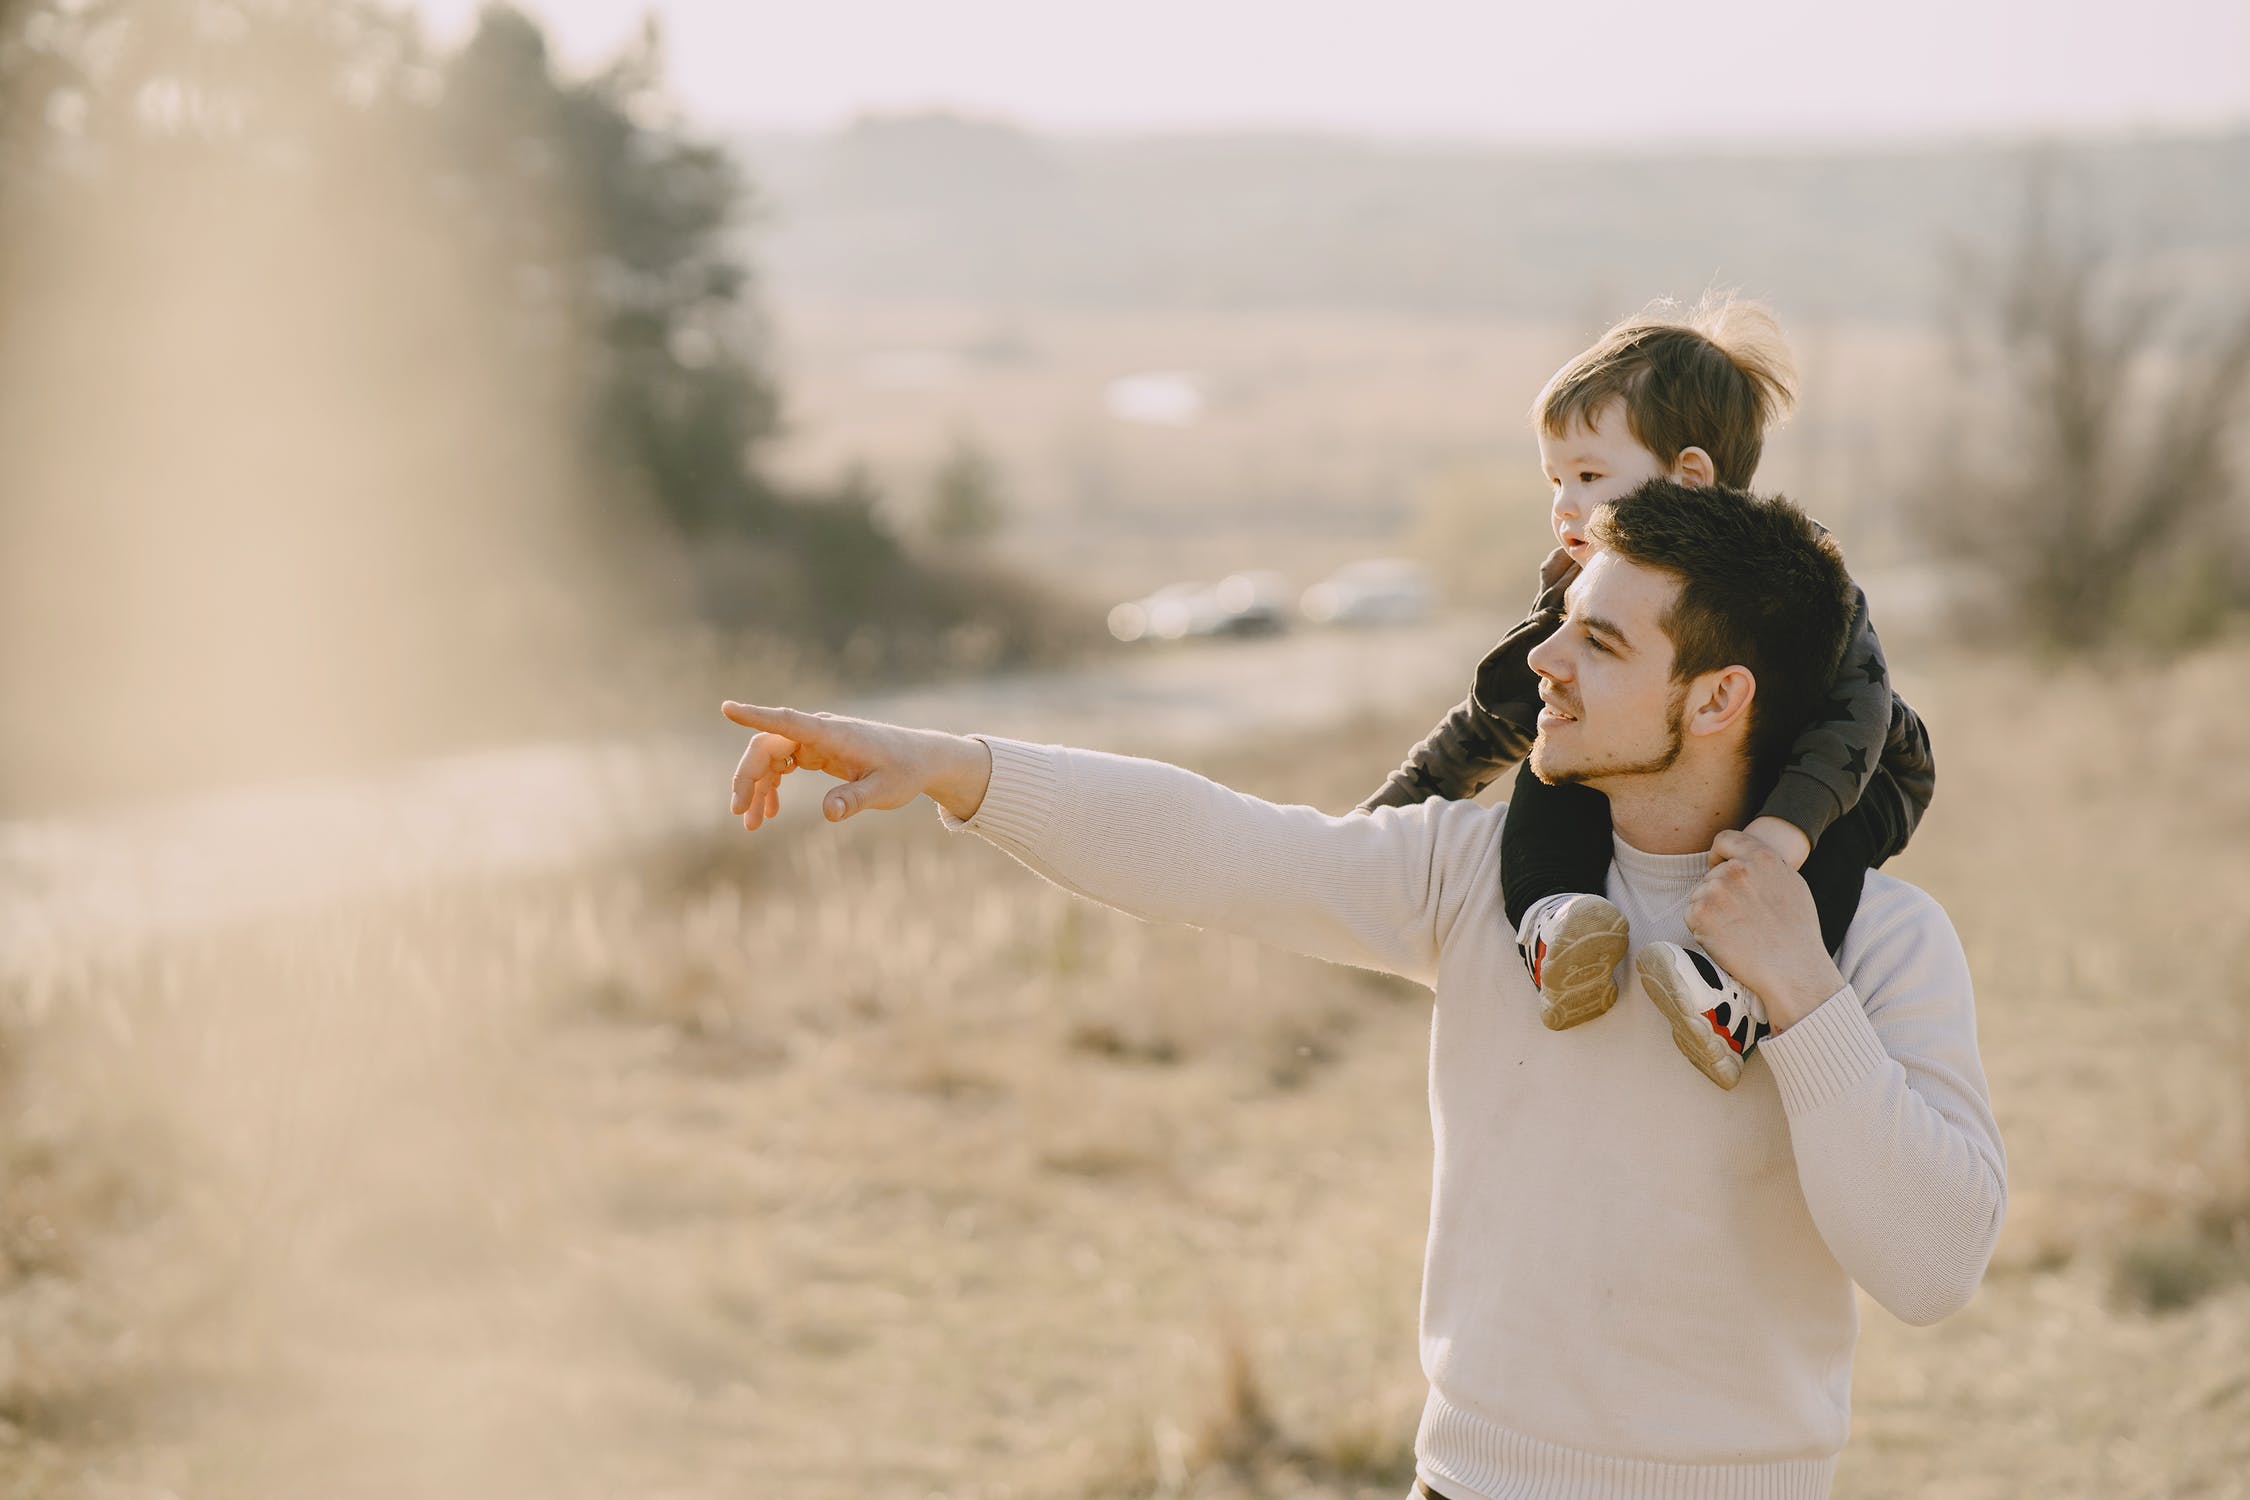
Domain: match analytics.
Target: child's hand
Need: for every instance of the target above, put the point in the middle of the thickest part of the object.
(1783, 838)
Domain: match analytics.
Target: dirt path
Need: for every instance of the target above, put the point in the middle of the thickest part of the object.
(224, 856)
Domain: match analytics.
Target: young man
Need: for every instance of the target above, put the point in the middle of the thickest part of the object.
(1635, 1284)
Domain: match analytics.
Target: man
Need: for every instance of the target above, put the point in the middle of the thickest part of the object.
(1634, 1284)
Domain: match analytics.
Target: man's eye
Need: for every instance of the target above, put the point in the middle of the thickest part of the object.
(1595, 641)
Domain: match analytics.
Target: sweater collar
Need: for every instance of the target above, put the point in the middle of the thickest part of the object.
(1659, 874)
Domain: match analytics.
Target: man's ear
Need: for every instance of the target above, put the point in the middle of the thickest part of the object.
(1694, 469)
(1719, 701)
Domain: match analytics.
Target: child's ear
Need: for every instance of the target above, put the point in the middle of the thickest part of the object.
(1694, 469)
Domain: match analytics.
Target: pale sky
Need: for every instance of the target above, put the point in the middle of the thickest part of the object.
(1642, 71)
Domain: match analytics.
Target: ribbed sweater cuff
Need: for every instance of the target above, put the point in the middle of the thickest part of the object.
(1020, 800)
(1469, 1458)
(1823, 1055)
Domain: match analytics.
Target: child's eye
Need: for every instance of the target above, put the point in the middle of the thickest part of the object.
(1588, 477)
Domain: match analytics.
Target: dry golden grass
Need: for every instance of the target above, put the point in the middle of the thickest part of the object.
(857, 1161)
(1325, 433)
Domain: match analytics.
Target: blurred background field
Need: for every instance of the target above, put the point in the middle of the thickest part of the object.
(849, 1161)
(415, 423)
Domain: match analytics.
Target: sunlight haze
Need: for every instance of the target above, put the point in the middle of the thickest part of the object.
(1745, 71)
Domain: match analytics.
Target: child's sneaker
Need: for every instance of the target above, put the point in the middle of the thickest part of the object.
(1715, 1021)
(1572, 945)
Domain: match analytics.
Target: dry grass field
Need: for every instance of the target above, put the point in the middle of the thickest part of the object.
(842, 1162)
(1323, 436)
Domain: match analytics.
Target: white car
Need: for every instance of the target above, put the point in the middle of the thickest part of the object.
(1240, 604)
(1172, 613)
(1377, 591)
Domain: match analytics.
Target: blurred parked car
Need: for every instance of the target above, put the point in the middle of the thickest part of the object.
(1377, 591)
(1241, 604)
(1252, 604)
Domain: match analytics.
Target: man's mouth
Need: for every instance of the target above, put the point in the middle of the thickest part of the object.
(1552, 710)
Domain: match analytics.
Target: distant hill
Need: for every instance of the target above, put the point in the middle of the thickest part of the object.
(940, 208)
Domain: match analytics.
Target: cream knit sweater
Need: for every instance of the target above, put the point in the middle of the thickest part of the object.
(1636, 1284)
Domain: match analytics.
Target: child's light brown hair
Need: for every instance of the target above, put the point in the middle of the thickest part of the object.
(1713, 377)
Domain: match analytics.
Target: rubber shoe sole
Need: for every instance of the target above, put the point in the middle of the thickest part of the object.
(1578, 974)
(1691, 1029)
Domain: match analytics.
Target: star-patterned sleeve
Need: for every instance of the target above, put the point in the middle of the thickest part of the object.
(1462, 756)
(1861, 725)
(1492, 728)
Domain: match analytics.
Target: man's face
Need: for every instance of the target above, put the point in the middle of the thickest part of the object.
(1588, 464)
(1610, 708)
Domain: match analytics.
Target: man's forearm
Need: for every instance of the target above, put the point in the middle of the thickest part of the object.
(961, 773)
(1891, 1123)
(1790, 997)
(1167, 845)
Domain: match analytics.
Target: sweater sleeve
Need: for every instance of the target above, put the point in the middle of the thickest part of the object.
(1896, 1148)
(1380, 891)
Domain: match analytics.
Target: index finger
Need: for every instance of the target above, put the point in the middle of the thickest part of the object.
(786, 721)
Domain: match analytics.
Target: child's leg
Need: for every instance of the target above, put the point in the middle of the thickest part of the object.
(1556, 841)
(1871, 832)
(1554, 863)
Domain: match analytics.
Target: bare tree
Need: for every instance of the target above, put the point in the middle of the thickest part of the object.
(2095, 451)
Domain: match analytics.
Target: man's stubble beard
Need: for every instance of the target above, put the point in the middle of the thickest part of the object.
(1657, 765)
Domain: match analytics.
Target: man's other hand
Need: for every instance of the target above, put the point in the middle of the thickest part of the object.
(882, 766)
(1754, 916)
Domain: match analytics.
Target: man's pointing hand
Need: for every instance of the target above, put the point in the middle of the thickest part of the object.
(882, 765)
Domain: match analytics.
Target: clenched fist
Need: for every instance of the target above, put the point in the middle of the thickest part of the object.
(1754, 915)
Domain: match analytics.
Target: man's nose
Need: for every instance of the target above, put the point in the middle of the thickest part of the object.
(1544, 659)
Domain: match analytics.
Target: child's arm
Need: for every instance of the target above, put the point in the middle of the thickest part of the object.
(1493, 727)
(1913, 768)
(1830, 763)
(1462, 756)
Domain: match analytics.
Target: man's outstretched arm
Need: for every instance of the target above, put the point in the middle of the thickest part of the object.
(1159, 842)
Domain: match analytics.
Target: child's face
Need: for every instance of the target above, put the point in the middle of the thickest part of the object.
(1588, 464)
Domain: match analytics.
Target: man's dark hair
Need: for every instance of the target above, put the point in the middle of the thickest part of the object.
(1761, 587)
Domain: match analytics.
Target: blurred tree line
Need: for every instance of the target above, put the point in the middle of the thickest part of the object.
(940, 208)
(2093, 462)
(329, 351)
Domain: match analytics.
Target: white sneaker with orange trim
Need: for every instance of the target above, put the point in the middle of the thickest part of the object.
(1716, 1022)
